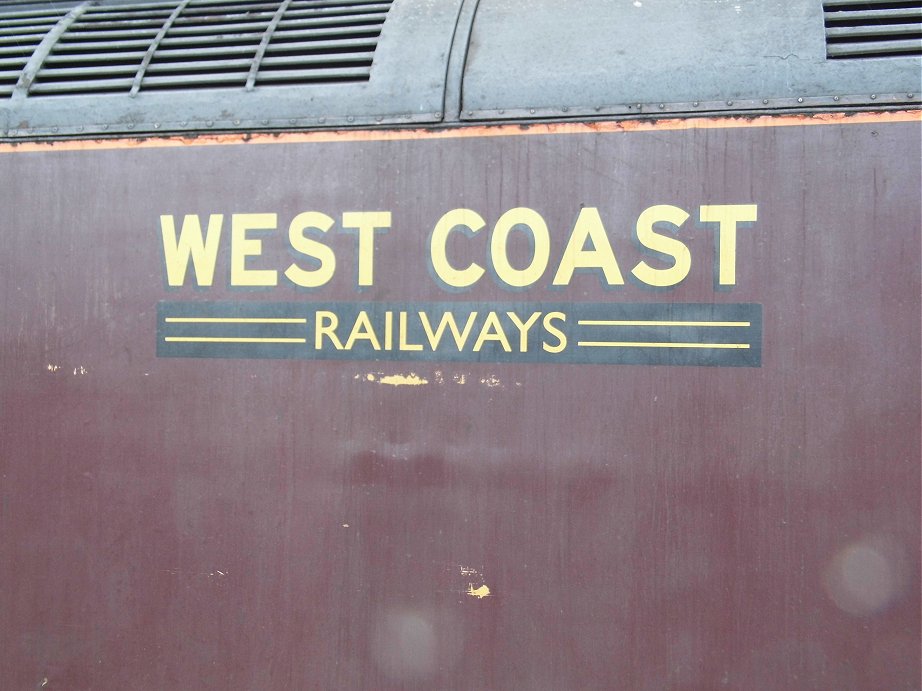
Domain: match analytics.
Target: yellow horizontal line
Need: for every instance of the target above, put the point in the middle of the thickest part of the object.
(638, 344)
(216, 339)
(231, 320)
(603, 322)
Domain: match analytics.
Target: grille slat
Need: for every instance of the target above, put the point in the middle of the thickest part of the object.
(907, 30)
(875, 49)
(31, 30)
(196, 44)
(873, 28)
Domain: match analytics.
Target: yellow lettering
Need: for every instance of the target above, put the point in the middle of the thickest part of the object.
(243, 247)
(318, 251)
(589, 227)
(190, 245)
(492, 330)
(728, 215)
(448, 319)
(388, 330)
(325, 324)
(367, 223)
(662, 213)
(541, 251)
(362, 329)
(402, 331)
(456, 278)
(554, 331)
(523, 328)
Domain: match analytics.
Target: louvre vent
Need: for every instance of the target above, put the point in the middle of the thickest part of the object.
(21, 32)
(193, 44)
(873, 28)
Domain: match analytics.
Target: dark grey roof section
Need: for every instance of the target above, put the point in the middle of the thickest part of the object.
(623, 57)
(115, 67)
(187, 65)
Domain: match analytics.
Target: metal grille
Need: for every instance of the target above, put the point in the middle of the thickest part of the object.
(192, 44)
(21, 32)
(873, 28)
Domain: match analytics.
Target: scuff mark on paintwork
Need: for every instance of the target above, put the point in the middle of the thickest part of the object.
(459, 379)
(411, 379)
(53, 368)
(492, 381)
(480, 593)
(80, 370)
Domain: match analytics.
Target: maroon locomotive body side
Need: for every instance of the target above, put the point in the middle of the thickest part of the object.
(243, 483)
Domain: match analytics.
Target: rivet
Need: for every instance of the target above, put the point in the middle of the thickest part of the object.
(322, 120)
(638, 105)
(210, 123)
(598, 108)
(729, 103)
(764, 101)
(105, 127)
(351, 118)
(873, 95)
(438, 114)
(265, 121)
(530, 110)
(835, 98)
(565, 109)
(911, 95)
(695, 104)
(662, 105)
(800, 99)
(236, 122)
(130, 125)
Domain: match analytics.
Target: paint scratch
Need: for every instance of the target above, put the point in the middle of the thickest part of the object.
(480, 593)
(410, 379)
(492, 381)
(53, 368)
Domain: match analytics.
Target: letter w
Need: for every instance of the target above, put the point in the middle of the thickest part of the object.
(203, 252)
(448, 319)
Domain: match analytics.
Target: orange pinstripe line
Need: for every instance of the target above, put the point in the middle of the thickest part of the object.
(461, 132)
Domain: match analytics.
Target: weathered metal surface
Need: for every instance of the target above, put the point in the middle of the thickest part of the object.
(406, 85)
(435, 62)
(250, 523)
(630, 56)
